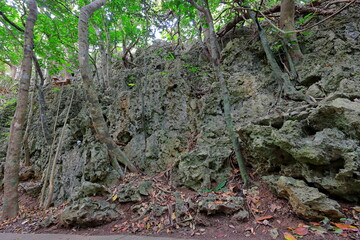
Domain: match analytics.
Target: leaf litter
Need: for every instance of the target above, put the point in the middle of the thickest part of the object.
(168, 211)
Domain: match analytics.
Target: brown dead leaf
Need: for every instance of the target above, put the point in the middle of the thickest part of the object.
(346, 227)
(274, 207)
(302, 231)
(123, 229)
(260, 219)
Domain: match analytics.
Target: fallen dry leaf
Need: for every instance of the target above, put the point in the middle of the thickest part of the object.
(259, 219)
(346, 227)
(289, 236)
(274, 207)
(302, 231)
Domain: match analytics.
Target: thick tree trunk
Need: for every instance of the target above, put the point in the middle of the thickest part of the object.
(287, 23)
(215, 56)
(11, 177)
(99, 124)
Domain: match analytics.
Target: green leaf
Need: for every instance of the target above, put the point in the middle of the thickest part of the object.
(220, 185)
(338, 230)
(325, 220)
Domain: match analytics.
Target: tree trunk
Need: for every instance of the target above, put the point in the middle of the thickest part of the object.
(102, 74)
(215, 56)
(42, 104)
(11, 176)
(28, 122)
(52, 162)
(281, 77)
(287, 23)
(99, 124)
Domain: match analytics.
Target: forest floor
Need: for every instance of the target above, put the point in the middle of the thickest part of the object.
(270, 218)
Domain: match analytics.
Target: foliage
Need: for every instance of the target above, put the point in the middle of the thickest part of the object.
(117, 28)
(219, 187)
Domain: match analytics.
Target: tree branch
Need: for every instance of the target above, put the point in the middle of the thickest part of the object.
(305, 29)
(195, 4)
(302, 9)
(11, 23)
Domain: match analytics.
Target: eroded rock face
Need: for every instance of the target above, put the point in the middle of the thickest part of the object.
(132, 192)
(31, 188)
(89, 189)
(212, 205)
(166, 113)
(88, 212)
(319, 143)
(307, 202)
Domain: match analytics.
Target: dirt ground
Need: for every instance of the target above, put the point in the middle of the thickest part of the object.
(270, 218)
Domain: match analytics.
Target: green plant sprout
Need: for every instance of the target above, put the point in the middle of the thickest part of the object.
(55, 90)
(219, 187)
(193, 69)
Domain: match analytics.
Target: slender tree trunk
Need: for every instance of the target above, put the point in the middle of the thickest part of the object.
(282, 78)
(42, 104)
(99, 124)
(29, 119)
(215, 56)
(102, 74)
(14, 70)
(287, 23)
(11, 177)
(108, 58)
(52, 162)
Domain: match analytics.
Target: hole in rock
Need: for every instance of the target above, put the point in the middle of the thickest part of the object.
(124, 138)
(310, 80)
(309, 130)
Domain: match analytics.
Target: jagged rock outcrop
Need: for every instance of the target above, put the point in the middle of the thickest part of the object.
(88, 212)
(211, 204)
(319, 144)
(307, 202)
(166, 113)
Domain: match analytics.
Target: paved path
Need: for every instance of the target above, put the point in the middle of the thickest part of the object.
(14, 236)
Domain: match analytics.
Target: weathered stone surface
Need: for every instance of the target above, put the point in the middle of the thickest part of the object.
(341, 113)
(132, 192)
(315, 91)
(89, 189)
(307, 202)
(324, 147)
(26, 173)
(31, 188)
(241, 216)
(166, 113)
(88, 212)
(199, 167)
(319, 144)
(229, 205)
